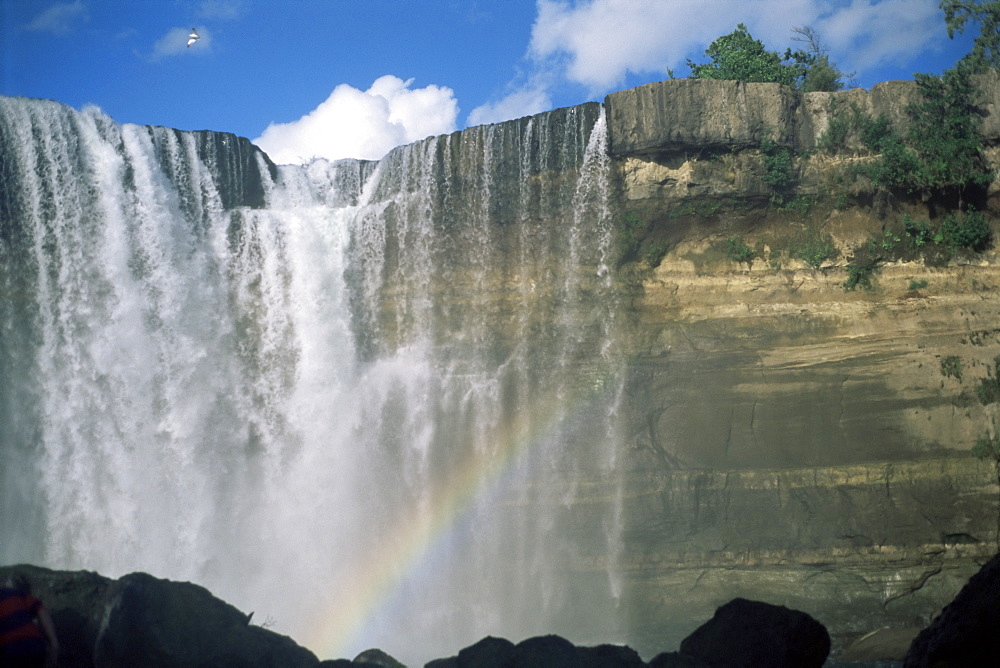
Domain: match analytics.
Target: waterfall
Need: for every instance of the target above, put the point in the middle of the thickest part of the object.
(376, 403)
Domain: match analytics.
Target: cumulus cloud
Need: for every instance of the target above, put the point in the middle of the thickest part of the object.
(352, 123)
(174, 43)
(60, 19)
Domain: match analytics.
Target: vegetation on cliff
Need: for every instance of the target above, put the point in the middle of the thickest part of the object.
(930, 158)
(738, 56)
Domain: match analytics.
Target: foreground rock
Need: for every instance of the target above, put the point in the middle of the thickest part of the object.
(153, 622)
(742, 633)
(757, 634)
(965, 633)
(549, 651)
(139, 620)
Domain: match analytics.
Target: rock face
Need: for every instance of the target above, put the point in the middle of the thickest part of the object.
(793, 441)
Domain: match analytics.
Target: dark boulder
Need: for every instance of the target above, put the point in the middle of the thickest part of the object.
(609, 656)
(140, 620)
(549, 651)
(759, 635)
(675, 660)
(376, 658)
(152, 622)
(966, 631)
(489, 652)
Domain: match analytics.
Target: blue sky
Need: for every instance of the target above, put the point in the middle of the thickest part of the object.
(353, 78)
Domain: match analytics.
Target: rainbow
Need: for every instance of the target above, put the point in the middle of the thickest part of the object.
(403, 550)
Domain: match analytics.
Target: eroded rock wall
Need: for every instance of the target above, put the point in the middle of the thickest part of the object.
(794, 441)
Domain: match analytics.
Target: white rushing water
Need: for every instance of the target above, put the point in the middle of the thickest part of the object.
(367, 411)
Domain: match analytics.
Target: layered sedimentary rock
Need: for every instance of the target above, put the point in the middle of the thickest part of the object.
(799, 443)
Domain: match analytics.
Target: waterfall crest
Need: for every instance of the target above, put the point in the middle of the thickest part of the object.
(363, 399)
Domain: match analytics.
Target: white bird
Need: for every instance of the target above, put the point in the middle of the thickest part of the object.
(193, 37)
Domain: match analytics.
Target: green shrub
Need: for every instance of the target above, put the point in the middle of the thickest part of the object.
(654, 253)
(738, 251)
(862, 266)
(838, 128)
(919, 232)
(951, 367)
(859, 275)
(777, 164)
(918, 284)
(988, 391)
(816, 250)
(799, 204)
(966, 231)
(987, 447)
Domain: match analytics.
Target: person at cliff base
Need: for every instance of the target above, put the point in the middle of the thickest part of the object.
(27, 635)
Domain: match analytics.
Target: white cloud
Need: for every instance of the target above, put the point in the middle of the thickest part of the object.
(174, 43)
(531, 99)
(866, 34)
(60, 19)
(595, 43)
(363, 124)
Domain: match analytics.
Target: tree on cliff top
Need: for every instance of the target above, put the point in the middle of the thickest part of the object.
(986, 48)
(820, 73)
(738, 56)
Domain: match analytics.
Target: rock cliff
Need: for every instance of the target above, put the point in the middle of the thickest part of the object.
(795, 441)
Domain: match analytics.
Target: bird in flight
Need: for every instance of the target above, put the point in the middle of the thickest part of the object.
(193, 37)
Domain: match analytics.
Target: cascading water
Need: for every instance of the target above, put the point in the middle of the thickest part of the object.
(374, 410)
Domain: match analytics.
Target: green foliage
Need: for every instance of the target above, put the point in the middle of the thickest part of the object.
(958, 230)
(705, 209)
(777, 162)
(799, 204)
(919, 232)
(820, 74)
(988, 391)
(859, 275)
(738, 56)
(967, 231)
(951, 367)
(916, 284)
(986, 48)
(654, 253)
(889, 241)
(944, 132)
(862, 265)
(987, 447)
(816, 250)
(738, 251)
(839, 127)
(896, 164)
(941, 149)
